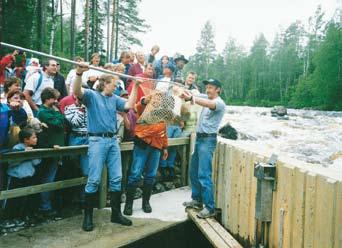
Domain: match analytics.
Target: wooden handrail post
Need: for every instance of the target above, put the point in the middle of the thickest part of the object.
(103, 188)
(191, 150)
(184, 165)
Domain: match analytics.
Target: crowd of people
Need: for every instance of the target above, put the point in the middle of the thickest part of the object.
(40, 108)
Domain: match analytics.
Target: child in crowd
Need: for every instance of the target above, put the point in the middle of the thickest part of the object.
(21, 175)
(52, 136)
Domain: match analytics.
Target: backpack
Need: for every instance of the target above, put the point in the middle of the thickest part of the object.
(40, 80)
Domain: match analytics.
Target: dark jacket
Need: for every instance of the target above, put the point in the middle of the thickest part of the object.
(59, 84)
(54, 134)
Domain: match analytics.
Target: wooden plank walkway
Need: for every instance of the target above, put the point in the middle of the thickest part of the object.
(67, 233)
(213, 231)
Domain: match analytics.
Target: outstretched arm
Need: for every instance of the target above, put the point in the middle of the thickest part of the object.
(77, 87)
(204, 102)
(133, 96)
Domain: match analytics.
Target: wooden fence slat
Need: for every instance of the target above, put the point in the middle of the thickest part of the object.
(72, 150)
(225, 181)
(338, 218)
(103, 187)
(220, 175)
(250, 193)
(298, 207)
(310, 210)
(228, 214)
(325, 203)
(184, 166)
(243, 200)
(7, 194)
(234, 190)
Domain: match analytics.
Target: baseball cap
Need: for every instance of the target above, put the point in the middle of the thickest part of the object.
(212, 82)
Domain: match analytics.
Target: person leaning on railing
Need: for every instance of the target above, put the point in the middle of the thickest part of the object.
(51, 136)
(102, 106)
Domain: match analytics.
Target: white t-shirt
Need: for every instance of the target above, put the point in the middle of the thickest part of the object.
(91, 73)
(71, 79)
(32, 83)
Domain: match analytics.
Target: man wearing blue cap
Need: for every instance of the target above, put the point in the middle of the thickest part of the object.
(206, 139)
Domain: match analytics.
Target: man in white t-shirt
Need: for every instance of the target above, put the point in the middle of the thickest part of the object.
(72, 75)
(36, 83)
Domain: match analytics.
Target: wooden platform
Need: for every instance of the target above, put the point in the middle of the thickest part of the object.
(214, 232)
(167, 212)
(67, 233)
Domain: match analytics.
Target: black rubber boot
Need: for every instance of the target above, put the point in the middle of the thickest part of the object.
(147, 190)
(163, 173)
(89, 199)
(115, 203)
(129, 200)
(172, 174)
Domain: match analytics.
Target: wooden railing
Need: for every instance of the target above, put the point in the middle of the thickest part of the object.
(79, 150)
(307, 202)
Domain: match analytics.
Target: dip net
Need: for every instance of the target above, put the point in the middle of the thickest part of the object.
(165, 104)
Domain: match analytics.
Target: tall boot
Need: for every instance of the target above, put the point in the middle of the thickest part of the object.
(163, 173)
(147, 190)
(115, 203)
(89, 199)
(129, 200)
(172, 173)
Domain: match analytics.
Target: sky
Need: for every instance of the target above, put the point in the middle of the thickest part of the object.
(176, 24)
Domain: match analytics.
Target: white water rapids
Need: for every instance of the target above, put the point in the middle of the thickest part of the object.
(311, 136)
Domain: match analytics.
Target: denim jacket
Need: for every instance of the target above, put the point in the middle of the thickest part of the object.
(22, 169)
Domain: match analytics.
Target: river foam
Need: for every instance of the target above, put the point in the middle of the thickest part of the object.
(309, 135)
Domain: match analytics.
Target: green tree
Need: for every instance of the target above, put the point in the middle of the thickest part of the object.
(326, 80)
(205, 51)
(130, 24)
(258, 64)
(234, 81)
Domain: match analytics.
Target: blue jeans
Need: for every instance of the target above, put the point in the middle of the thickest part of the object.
(200, 171)
(84, 159)
(145, 159)
(48, 170)
(104, 151)
(173, 131)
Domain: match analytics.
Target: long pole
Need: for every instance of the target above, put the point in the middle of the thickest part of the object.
(50, 56)
(73, 29)
(117, 29)
(62, 48)
(108, 31)
(112, 39)
(86, 36)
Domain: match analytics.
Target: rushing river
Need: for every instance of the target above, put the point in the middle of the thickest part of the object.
(308, 135)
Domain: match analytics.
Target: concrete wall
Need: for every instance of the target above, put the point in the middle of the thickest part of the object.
(307, 205)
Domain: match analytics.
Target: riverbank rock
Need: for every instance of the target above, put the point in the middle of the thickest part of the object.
(228, 132)
(244, 136)
(336, 155)
(277, 111)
